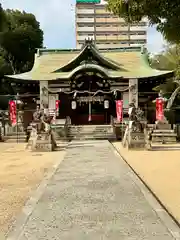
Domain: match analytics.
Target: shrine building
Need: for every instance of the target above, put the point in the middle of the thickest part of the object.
(89, 81)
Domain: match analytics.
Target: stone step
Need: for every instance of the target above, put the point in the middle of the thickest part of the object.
(90, 132)
(91, 126)
(164, 134)
(156, 139)
(163, 130)
(97, 135)
(15, 137)
(90, 129)
(92, 138)
(164, 141)
(16, 134)
(15, 140)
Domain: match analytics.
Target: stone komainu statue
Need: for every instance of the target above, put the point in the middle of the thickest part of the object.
(134, 133)
(41, 133)
(136, 115)
(37, 115)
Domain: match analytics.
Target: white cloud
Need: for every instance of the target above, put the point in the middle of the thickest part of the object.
(55, 16)
(57, 19)
(156, 41)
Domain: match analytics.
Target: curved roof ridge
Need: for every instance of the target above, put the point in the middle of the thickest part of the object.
(90, 47)
(98, 53)
(89, 66)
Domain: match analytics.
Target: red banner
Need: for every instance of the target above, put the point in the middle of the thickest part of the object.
(119, 110)
(12, 112)
(159, 109)
(57, 105)
(56, 111)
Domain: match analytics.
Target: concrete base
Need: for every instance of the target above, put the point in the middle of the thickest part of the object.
(42, 142)
(43, 147)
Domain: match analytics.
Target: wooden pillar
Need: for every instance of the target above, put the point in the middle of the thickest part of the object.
(133, 91)
(44, 95)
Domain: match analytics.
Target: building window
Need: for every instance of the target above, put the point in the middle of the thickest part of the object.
(138, 33)
(100, 7)
(85, 25)
(85, 34)
(86, 6)
(140, 24)
(85, 16)
(99, 34)
(102, 15)
(115, 25)
(123, 24)
(123, 33)
(123, 42)
(138, 42)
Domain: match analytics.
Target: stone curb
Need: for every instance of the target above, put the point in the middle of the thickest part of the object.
(161, 211)
(16, 230)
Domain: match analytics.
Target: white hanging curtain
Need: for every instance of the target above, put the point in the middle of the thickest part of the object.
(106, 104)
(73, 105)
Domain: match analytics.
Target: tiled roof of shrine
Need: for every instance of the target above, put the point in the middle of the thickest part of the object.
(52, 64)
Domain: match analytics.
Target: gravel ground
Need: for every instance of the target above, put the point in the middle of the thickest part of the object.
(160, 171)
(20, 172)
(92, 196)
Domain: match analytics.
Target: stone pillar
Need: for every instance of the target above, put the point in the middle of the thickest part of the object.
(133, 91)
(44, 95)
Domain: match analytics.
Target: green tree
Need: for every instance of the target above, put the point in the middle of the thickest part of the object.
(168, 60)
(162, 13)
(19, 40)
(2, 19)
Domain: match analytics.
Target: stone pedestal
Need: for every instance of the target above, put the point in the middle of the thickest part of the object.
(43, 142)
(133, 139)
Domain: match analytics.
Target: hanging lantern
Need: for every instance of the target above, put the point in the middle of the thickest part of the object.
(89, 118)
(73, 105)
(106, 104)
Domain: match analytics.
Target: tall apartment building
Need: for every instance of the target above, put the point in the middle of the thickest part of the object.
(108, 31)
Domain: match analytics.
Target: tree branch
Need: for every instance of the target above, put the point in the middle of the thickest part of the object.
(172, 98)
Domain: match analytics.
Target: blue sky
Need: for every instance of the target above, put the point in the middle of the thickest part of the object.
(57, 19)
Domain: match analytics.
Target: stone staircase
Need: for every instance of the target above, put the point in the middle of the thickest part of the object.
(90, 132)
(15, 137)
(164, 136)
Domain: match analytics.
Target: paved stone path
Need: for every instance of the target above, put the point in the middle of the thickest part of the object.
(93, 197)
